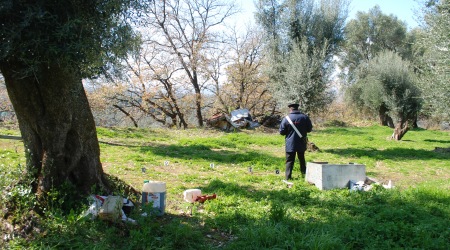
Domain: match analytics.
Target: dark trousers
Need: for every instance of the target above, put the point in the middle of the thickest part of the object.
(290, 160)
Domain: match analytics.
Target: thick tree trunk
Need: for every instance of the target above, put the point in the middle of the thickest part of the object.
(57, 127)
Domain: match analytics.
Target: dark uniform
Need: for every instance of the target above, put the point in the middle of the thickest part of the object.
(295, 144)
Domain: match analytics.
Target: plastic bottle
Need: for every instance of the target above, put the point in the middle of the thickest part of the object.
(155, 192)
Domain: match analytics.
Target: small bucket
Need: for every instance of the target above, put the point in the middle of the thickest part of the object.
(155, 191)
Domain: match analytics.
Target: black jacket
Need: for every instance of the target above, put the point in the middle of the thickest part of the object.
(303, 124)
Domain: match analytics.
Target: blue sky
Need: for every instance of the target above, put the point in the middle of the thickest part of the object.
(403, 9)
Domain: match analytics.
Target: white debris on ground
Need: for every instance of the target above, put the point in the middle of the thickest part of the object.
(367, 185)
(289, 184)
(239, 118)
(98, 202)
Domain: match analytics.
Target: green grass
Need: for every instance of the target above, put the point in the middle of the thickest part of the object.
(256, 210)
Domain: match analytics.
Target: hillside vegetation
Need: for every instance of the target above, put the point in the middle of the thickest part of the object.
(253, 210)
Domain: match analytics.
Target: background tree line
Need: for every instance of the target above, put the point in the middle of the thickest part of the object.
(189, 58)
(176, 62)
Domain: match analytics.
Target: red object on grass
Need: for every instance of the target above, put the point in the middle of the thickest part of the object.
(203, 198)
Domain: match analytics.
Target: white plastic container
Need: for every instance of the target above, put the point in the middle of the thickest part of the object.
(191, 194)
(155, 191)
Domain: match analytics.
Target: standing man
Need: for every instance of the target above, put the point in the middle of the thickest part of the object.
(295, 140)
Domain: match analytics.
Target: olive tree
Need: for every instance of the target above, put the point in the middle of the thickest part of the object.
(435, 69)
(388, 82)
(302, 36)
(369, 34)
(46, 49)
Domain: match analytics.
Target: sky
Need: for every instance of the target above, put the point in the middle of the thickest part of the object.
(403, 9)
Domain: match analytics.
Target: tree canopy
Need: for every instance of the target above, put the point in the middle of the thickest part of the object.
(388, 83)
(88, 34)
(435, 67)
(369, 34)
(301, 39)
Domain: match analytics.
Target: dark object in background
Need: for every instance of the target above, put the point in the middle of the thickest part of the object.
(271, 121)
(127, 207)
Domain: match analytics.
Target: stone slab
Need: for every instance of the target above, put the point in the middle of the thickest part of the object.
(329, 176)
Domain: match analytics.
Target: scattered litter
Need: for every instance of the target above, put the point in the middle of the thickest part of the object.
(166, 163)
(154, 194)
(211, 165)
(239, 118)
(289, 184)
(111, 208)
(366, 185)
(277, 171)
(356, 186)
(143, 170)
(204, 198)
(128, 206)
(220, 121)
(250, 170)
(195, 195)
(389, 185)
(191, 195)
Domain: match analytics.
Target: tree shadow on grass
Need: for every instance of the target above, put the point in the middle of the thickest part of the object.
(202, 152)
(391, 153)
(378, 219)
(343, 131)
(299, 218)
(437, 141)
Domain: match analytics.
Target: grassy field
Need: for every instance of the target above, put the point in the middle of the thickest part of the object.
(256, 210)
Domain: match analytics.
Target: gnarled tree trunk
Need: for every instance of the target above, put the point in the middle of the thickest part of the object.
(57, 127)
(401, 127)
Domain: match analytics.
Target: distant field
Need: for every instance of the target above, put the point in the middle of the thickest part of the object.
(407, 163)
(256, 210)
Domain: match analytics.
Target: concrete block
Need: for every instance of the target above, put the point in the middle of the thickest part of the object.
(329, 176)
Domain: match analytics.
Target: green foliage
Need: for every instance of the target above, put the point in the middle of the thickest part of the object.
(277, 212)
(369, 34)
(303, 79)
(85, 33)
(387, 81)
(434, 66)
(17, 197)
(302, 37)
(62, 201)
(256, 210)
